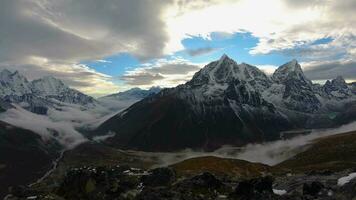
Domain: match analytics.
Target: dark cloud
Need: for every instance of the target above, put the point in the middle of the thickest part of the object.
(141, 78)
(330, 70)
(200, 51)
(169, 72)
(81, 29)
(173, 68)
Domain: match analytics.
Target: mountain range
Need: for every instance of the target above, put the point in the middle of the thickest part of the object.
(122, 100)
(38, 95)
(230, 103)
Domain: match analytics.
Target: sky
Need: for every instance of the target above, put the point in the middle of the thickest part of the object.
(102, 47)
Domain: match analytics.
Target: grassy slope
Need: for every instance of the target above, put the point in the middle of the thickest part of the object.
(335, 152)
(220, 166)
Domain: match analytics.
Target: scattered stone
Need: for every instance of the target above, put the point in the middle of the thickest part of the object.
(159, 177)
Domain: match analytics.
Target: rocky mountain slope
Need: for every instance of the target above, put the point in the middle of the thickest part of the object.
(230, 103)
(38, 95)
(24, 156)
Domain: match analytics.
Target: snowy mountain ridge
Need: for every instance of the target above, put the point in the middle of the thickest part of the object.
(230, 103)
(38, 95)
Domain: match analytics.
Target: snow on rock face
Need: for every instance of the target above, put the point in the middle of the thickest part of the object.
(48, 86)
(38, 95)
(13, 84)
(236, 99)
(337, 88)
(287, 71)
(344, 180)
(227, 70)
(352, 87)
(298, 92)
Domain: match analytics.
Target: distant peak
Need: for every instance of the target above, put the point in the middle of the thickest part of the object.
(224, 57)
(340, 78)
(50, 80)
(290, 66)
(6, 71)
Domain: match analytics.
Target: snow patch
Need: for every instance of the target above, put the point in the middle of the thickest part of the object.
(346, 179)
(279, 192)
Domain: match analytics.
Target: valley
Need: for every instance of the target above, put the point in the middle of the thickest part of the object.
(230, 125)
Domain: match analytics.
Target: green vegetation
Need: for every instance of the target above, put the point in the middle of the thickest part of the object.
(334, 153)
(220, 167)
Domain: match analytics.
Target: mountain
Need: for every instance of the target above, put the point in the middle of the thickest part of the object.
(122, 100)
(221, 105)
(133, 93)
(228, 103)
(298, 91)
(24, 156)
(352, 87)
(38, 95)
(337, 88)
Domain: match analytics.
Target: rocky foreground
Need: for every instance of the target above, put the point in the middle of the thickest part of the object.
(326, 170)
(123, 182)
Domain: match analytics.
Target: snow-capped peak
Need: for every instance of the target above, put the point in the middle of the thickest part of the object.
(339, 80)
(5, 74)
(337, 88)
(291, 69)
(49, 85)
(13, 84)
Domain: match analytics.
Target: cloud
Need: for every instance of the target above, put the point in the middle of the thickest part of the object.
(69, 32)
(270, 153)
(62, 131)
(201, 51)
(163, 72)
(330, 69)
(141, 78)
(64, 33)
(103, 61)
(77, 30)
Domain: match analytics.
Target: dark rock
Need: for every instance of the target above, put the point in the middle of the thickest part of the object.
(313, 188)
(22, 191)
(258, 188)
(349, 189)
(204, 180)
(159, 177)
(96, 183)
(155, 194)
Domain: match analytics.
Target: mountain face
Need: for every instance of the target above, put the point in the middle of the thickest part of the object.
(24, 156)
(38, 95)
(298, 91)
(352, 87)
(228, 103)
(337, 88)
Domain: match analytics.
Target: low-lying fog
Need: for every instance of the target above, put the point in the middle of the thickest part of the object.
(66, 122)
(270, 153)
